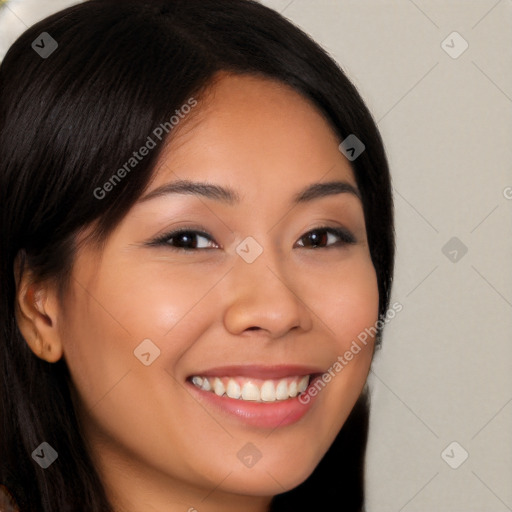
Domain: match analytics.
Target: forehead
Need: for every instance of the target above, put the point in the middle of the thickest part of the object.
(256, 135)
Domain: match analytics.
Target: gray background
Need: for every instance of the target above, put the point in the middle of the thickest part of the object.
(444, 373)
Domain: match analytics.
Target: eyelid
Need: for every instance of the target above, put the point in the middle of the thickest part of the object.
(198, 230)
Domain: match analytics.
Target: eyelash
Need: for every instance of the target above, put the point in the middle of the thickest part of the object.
(345, 238)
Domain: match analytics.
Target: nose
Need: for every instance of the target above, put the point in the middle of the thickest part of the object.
(262, 296)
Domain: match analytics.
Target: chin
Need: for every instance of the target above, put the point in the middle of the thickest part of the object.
(265, 482)
(268, 478)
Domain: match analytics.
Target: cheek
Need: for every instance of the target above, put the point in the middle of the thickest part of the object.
(151, 298)
(98, 349)
(110, 315)
(347, 307)
(119, 397)
(347, 301)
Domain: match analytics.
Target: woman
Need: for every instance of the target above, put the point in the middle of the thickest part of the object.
(197, 234)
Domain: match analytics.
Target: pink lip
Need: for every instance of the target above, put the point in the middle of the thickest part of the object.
(258, 414)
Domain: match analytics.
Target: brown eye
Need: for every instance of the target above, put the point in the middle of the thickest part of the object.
(190, 240)
(185, 239)
(326, 237)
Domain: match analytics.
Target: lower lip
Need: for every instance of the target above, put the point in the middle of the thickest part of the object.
(258, 414)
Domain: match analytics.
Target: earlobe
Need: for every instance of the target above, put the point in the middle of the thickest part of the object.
(36, 315)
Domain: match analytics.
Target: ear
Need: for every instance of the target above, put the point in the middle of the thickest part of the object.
(36, 314)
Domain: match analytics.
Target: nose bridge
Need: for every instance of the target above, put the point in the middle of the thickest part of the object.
(261, 294)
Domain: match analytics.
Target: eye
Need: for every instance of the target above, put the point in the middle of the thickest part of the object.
(191, 239)
(185, 239)
(323, 237)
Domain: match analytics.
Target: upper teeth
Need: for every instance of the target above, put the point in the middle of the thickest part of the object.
(255, 390)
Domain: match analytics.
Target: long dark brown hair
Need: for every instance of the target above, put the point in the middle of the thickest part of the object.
(66, 122)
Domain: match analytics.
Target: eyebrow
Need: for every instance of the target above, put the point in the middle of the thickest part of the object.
(229, 196)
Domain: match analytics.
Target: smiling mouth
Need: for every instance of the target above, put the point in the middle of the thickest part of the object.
(253, 390)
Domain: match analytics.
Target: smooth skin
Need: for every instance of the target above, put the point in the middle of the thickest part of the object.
(302, 301)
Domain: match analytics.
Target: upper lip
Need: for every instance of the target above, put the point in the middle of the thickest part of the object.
(260, 371)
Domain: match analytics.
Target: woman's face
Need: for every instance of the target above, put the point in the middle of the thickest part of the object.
(269, 285)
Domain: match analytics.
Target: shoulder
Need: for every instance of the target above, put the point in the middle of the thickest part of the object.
(7, 503)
